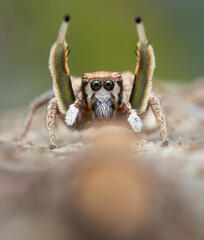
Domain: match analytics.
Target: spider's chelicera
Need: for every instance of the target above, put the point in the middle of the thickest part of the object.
(99, 95)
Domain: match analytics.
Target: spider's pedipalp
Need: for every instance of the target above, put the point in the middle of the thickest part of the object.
(71, 115)
(134, 121)
(131, 116)
(59, 69)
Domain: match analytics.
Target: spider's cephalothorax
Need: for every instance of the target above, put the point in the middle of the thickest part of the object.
(102, 92)
(99, 95)
(101, 98)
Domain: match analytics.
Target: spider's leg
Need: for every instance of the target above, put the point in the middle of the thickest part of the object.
(142, 84)
(52, 110)
(34, 106)
(160, 118)
(132, 117)
(59, 69)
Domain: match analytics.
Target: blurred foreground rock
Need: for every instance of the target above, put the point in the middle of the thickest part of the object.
(106, 182)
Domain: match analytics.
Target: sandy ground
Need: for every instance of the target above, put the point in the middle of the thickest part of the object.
(182, 161)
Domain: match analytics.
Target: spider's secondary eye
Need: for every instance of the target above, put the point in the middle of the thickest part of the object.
(84, 83)
(108, 85)
(120, 81)
(96, 85)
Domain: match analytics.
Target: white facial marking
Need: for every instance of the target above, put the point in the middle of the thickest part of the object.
(134, 121)
(102, 95)
(104, 112)
(71, 115)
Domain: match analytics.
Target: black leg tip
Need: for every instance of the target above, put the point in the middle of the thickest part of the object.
(138, 19)
(67, 18)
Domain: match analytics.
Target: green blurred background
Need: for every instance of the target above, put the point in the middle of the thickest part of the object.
(101, 36)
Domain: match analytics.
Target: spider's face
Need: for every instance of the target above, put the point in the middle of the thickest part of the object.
(102, 92)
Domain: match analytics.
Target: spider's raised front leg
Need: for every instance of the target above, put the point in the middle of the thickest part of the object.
(34, 106)
(52, 110)
(132, 117)
(160, 118)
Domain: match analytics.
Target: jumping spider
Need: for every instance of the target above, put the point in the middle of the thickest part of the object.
(100, 95)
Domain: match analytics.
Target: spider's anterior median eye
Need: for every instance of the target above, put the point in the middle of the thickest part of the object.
(108, 85)
(96, 85)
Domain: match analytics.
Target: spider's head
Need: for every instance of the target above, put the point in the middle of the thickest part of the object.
(102, 92)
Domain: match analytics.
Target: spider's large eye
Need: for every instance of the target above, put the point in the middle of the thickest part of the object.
(108, 85)
(96, 85)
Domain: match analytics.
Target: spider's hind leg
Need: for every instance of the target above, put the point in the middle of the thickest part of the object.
(160, 118)
(52, 111)
(34, 106)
